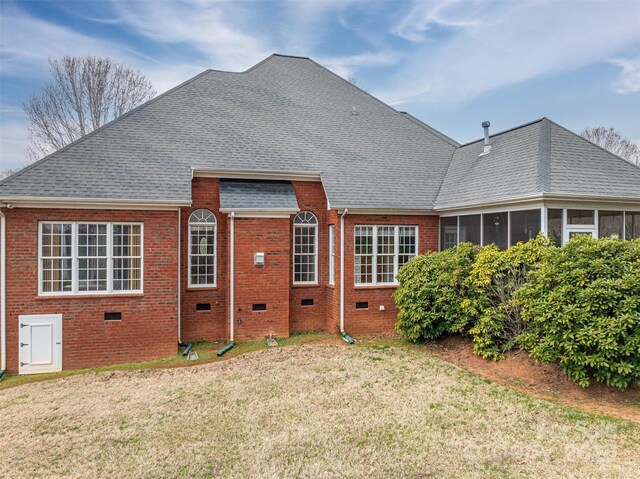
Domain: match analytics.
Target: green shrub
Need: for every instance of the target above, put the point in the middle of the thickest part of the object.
(432, 292)
(497, 275)
(583, 311)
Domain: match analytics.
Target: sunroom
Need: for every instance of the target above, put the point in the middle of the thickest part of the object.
(505, 227)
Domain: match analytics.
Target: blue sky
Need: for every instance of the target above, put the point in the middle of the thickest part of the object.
(451, 63)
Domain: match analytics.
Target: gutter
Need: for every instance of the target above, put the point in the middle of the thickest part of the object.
(3, 293)
(231, 344)
(344, 334)
(179, 279)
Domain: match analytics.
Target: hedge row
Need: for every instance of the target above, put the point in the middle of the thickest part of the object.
(578, 306)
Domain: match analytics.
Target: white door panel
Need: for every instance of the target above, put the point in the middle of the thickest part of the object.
(40, 343)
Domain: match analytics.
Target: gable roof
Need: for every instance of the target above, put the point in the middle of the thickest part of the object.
(284, 114)
(289, 114)
(537, 158)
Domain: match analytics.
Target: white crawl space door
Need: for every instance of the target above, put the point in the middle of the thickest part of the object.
(40, 343)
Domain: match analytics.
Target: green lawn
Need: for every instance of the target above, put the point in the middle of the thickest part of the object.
(308, 410)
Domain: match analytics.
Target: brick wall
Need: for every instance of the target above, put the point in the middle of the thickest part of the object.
(213, 324)
(267, 284)
(148, 328)
(372, 320)
(311, 197)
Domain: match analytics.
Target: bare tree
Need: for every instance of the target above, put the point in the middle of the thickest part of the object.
(355, 81)
(83, 94)
(5, 173)
(611, 140)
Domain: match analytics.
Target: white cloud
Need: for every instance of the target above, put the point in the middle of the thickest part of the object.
(27, 43)
(505, 44)
(423, 17)
(628, 80)
(348, 65)
(221, 32)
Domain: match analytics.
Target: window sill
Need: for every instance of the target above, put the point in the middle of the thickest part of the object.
(201, 288)
(376, 286)
(90, 296)
(305, 285)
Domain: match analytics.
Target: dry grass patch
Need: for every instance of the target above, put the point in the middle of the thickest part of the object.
(310, 411)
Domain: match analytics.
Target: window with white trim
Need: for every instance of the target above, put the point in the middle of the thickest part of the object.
(202, 249)
(332, 254)
(380, 251)
(305, 248)
(88, 257)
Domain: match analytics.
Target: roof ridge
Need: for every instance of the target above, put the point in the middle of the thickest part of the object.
(592, 143)
(431, 129)
(524, 125)
(374, 97)
(103, 127)
(544, 156)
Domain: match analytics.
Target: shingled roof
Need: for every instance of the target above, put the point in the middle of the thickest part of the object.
(291, 114)
(538, 158)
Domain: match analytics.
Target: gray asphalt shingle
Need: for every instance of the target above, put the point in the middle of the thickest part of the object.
(257, 195)
(291, 114)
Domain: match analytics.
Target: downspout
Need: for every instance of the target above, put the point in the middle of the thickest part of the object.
(344, 334)
(231, 344)
(3, 293)
(187, 346)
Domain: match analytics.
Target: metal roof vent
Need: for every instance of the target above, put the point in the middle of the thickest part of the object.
(354, 112)
(487, 144)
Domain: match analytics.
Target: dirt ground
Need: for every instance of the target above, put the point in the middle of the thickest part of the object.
(546, 381)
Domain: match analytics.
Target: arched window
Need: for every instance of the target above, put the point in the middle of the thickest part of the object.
(305, 248)
(202, 249)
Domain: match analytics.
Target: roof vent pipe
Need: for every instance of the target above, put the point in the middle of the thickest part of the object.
(487, 145)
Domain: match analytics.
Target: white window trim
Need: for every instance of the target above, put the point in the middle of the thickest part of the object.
(190, 285)
(75, 259)
(332, 255)
(396, 251)
(315, 254)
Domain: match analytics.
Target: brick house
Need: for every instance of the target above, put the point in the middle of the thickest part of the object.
(282, 199)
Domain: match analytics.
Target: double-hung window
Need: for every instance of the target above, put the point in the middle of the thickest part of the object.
(89, 257)
(305, 248)
(202, 249)
(332, 254)
(380, 251)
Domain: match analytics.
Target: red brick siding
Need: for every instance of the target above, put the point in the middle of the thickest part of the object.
(311, 197)
(148, 328)
(267, 284)
(372, 320)
(214, 324)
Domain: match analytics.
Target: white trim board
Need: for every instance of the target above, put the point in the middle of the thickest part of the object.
(256, 174)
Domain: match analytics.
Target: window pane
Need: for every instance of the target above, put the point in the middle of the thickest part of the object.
(92, 257)
(580, 217)
(448, 232)
(202, 251)
(56, 257)
(363, 263)
(525, 225)
(554, 226)
(407, 248)
(470, 229)
(495, 229)
(610, 224)
(386, 254)
(304, 248)
(127, 257)
(632, 225)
